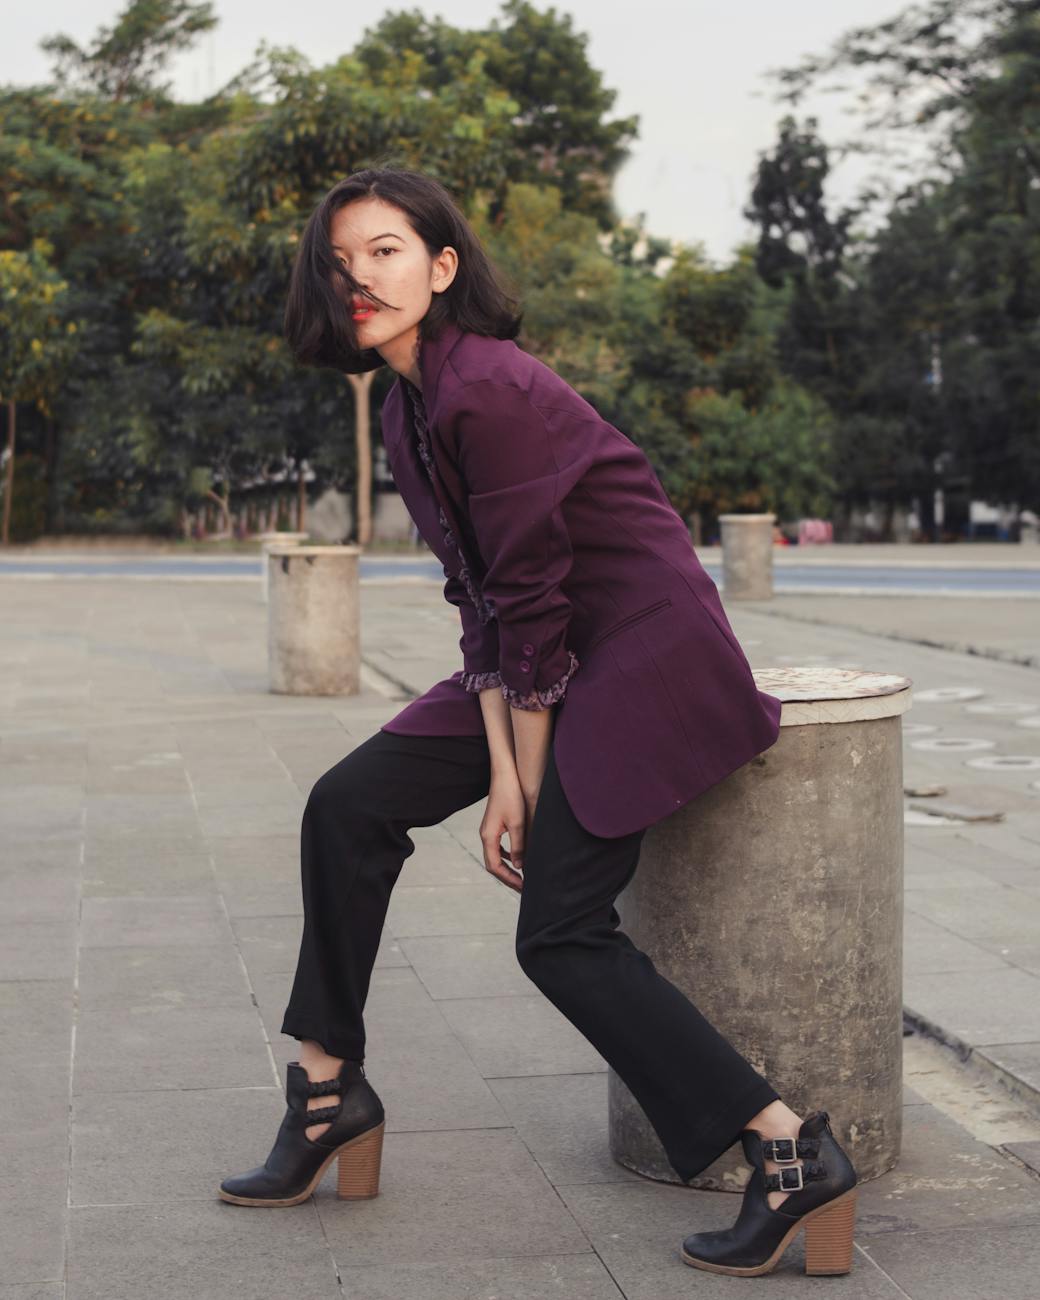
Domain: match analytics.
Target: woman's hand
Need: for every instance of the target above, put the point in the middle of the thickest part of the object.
(507, 813)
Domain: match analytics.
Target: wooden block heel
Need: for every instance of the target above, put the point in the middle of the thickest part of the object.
(829, 1237)
(358, 1168)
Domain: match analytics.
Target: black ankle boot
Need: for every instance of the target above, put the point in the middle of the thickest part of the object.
(296, 1163)
(822, 1198)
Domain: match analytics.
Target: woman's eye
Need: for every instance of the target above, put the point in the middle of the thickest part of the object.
(387, 248)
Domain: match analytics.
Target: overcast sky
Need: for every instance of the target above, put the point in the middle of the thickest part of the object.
(693, 70)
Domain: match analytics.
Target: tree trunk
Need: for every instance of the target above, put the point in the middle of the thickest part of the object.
(9, 486)
(51, 476)
(301, 499)
(224, 502)
(362, 389)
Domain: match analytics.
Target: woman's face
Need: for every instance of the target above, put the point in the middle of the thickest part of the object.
(375, 242)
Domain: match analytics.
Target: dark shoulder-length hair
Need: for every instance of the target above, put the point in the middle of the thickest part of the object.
(318, 323)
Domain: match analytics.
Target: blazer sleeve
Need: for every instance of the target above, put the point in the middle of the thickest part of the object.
(479, 642)
(505, 454)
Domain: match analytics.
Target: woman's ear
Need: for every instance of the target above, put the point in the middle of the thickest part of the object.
(445, 266)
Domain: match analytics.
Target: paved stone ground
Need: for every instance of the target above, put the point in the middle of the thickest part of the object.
(150, 795)
(997, 627)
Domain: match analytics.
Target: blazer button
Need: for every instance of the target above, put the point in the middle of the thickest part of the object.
(525, 667)
(528, 649)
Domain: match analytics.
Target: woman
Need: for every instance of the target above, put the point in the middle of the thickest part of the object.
(602, 688)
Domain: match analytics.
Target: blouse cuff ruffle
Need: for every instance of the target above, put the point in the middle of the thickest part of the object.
(542, 699)
(480, 681)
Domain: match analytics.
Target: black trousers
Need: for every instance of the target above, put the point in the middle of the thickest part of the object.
(696, 1090)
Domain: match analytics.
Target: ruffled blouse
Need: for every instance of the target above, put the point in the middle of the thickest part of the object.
(484, 606)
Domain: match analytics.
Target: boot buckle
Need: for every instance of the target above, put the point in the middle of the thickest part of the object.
(786, 1175)
(782, 1151)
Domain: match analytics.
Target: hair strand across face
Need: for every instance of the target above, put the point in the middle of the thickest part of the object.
(318, 323)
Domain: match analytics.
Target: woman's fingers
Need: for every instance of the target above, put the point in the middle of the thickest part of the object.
(508, 877)
(506, 874)
(493, 858)
(517, 834)
(499, 861)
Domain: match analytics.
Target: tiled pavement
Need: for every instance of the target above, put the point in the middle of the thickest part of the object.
(150, 795)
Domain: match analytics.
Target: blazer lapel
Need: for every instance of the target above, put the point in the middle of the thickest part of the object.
(410, 477)
(425, 499)
(432, 355)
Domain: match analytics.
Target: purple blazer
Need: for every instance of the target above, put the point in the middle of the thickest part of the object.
(577, 584)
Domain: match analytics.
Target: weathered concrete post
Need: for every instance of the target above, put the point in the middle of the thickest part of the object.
(314, 620)
(267, 540)
(747, 556)
(774, 901)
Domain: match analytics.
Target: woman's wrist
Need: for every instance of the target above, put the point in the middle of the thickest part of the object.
(532, 739)
(504, 769)
(499, 735)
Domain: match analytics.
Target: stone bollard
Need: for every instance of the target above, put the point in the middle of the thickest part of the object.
(747, 556)
(774, 901)
(314, 620)
(267, 540)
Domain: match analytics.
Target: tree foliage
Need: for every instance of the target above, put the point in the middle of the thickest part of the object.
(921, 335)
(826, 361)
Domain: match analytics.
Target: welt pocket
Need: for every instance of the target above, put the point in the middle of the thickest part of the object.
(629, 621)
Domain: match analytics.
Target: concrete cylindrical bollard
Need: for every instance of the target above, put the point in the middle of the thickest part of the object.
(267, 540)
(747, 556)
(314, 620)
(774, 901)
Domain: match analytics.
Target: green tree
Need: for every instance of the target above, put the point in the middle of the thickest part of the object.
(124, 61)
(941, 299)
(64, 151)
(36, 343)
(561, 134)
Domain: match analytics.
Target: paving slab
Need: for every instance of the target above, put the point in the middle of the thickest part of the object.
(1000, 1262)
(33, 1291)
(540, 1277)
(980, 1007)
(562, 1121)
(168, 1047)
(32, 1238)
(139, 978)
(535, 1038)
(996, 627)
(466, 966)
(184, 1250)
(432, 910)
(169, 1144)
(945, 1178)
(637, 1226)
(929, 949)
(451, 1195)
(153, 920)
(38, 949)
(1019, 1062)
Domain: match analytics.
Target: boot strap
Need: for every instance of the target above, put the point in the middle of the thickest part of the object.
(793, 1178)
(324, 1087)
(784, 1151)
(322, 1113)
